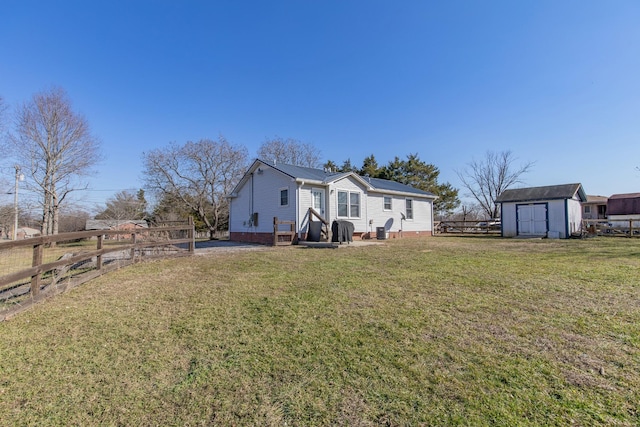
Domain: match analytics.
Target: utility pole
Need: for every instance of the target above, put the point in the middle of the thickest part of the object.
(19, 177)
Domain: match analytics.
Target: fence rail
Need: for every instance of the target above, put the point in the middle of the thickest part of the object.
(607, 227)
(39, 267)
(467, 227)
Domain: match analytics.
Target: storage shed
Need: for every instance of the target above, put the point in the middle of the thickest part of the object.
(552, 211)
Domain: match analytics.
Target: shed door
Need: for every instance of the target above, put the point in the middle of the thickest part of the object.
(532, 220)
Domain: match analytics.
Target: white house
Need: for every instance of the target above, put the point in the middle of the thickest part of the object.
(553, 211)
(376, 207)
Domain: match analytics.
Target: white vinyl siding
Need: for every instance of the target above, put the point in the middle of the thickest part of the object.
(262, 196)
(394, 220)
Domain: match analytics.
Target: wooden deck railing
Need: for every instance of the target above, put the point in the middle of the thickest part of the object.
(283, 237)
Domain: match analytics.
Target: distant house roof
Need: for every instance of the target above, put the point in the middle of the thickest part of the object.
(325, 177)
(597, 200)
(110, 224)
(624, 204)
(29, 232)
(550, 192)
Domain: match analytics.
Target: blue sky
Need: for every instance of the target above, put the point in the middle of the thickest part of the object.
(555, 82)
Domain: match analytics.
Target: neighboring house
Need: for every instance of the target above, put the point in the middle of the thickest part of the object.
(553, 211)
(622, 208)
(27, 233)
(595, 207)
(114, 224)
(375, 207)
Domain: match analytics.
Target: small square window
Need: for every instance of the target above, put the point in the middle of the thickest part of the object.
(387, 203)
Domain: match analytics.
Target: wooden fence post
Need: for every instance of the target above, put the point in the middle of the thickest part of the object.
(134, 239)
(191, 236)
(99, 256)
(38, 250)
(275, 230)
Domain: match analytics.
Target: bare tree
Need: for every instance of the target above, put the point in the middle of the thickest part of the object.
(125, 205)
(73, 218)
(486, 179)
(7, 215)
(3, 115)
(290, 151)
(198, 174)
(55, 149)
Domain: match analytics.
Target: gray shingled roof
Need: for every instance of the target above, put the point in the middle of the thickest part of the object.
(550, 192)
(385, 184)
(324, 176)
(304, 172)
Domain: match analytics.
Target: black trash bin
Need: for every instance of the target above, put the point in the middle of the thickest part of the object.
(315, 230)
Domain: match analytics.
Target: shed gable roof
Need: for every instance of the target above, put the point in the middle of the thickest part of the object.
(550, 192)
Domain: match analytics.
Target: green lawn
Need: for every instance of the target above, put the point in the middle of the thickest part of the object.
(439, 331)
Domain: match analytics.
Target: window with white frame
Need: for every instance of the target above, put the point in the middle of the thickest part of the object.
(348, 204)
(354, 205)
(284, 197)
(409, 208)
(387, 203)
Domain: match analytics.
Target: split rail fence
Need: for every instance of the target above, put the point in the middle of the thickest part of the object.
(607, 227)
(36, 268)
(466, 227)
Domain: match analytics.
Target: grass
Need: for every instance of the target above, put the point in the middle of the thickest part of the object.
(439, 331)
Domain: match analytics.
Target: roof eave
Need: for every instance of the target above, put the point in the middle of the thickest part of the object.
(402, 193)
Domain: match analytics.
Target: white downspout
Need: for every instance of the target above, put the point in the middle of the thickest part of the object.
(298, 220)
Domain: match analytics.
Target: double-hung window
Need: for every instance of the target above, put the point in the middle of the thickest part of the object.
(387, 203)
(348, 204)
(354, 205)
(409, 208)
(284, 197)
